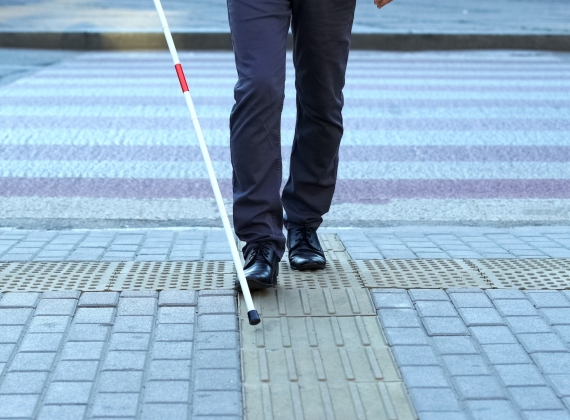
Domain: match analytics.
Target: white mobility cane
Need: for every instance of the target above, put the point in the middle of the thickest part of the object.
(251, 312)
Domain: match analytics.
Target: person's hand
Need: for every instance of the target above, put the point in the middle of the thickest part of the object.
(381, 3)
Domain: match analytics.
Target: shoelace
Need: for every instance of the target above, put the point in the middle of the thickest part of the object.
(260, 251)
(303, 234)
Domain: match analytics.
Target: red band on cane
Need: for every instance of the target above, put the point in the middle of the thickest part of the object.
(181, 78)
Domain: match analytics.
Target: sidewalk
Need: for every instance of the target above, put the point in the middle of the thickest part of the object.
(404, 25)
(355, 341)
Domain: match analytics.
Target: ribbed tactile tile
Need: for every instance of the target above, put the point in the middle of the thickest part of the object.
(180, 275)
(424, 274)
(543, 273)
(42, 276)
(312, 302)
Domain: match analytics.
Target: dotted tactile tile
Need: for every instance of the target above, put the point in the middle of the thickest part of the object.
(42, 276)
(181, 275)
(525, 273)
(320, 368)
(337, 274)
(418, 273)
(312, 302)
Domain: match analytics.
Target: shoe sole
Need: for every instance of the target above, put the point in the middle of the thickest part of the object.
(258, 285)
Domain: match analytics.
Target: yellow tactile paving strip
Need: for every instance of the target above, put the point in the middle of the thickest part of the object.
(317, 365)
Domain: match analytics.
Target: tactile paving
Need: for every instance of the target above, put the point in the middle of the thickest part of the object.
(417, 273)
(525, 273)
(320, 367)
(181, 275)
(312, 302)
(43, 276)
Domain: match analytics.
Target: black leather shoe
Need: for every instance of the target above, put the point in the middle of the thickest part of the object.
(305, 252)
(261, 266)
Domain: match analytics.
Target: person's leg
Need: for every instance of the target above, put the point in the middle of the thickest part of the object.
(259, 35)
(321, 31)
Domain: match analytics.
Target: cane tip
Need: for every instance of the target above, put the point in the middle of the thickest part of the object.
(253, 317)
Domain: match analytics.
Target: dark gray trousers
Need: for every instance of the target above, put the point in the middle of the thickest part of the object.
(321, 38)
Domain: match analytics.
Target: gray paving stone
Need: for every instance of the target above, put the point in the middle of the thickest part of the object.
(548, 299)
(217, 380)
(68, 393)
(447, 415)
(139, 294)
(454, 345)
(440, 309)
(414, 356)
(394, 318)
(119, 381)
(172, 411)
(564, 332)
(179, 369)
(501, 354)
(12, 316)
(546, 415)
(6, 351)
(424, 377)
(23, 383)
(471, 299)
(493, 335)
(217, 323)
(552, 363)
(178, 298)
(85, 350)
(434, 399)
(520, 375)
(41, 342)
(406, 336)
(217, 403)
(391, 301)
(478, 387)
(72, 371)
(61, 412)
(217, 305)
(557, 316)
(465, 365)
(61, 294)
(19, 300)
(32, 362)
(134, 324)
(129, 341)
(535, 398)
(174, 332)
(512, 307)
(136, 306)
(560, 384)
(94, 316)
(541, 342)
(99, 299)
(215, 359)
(176, 315)
(49, 324)
(56, 307)
(10, 334)
(527, 324)
(505, 294)
(124, 360)
(492, 410)
(480, 316)
(216, 340)
(167, 391)
(165, 350)
(115, 405)
(428, 294)
(18, 406)
(88, 332)
(444, 326)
